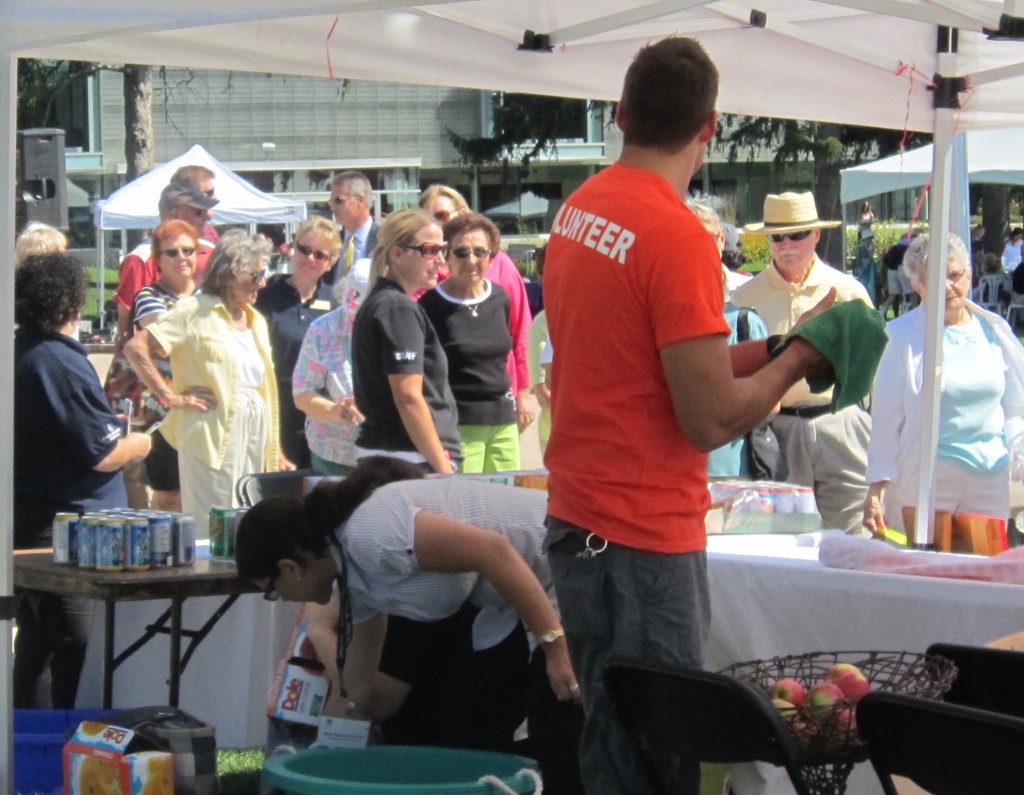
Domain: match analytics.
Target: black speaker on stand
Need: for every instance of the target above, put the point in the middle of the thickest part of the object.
(42, 180)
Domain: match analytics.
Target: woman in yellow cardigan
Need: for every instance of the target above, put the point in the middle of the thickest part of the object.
(223, 417)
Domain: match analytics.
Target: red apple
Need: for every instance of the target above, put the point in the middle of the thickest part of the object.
(846, 719)
(785, 708)
(843, 669)
(854, 687)
(820, 699)
(789, 690)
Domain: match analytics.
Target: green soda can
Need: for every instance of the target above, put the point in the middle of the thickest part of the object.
(222, 540)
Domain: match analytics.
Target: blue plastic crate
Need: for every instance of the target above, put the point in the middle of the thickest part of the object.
(39, 737)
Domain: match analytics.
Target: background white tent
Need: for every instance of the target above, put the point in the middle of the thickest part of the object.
(993, 156)
(849, 61)
(134, 206)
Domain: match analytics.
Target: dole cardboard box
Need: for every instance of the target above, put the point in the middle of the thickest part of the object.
(103, 759)
(300, 687)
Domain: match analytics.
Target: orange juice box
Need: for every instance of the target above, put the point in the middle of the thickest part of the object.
(99, 759)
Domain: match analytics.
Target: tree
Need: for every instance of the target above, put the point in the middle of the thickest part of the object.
(524, 127)
(138, 127)
(831, 146)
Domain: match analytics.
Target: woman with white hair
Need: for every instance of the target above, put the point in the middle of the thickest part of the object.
(982, 400)
(222, 399)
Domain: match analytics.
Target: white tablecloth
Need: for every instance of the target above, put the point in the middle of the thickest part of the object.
(227, 679)
(769, 596)
(782, 601)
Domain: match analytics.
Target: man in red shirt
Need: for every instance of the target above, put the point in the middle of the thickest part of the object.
(188, 197)
(644, 385)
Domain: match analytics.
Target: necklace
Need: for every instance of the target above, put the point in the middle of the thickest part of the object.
(472, 309)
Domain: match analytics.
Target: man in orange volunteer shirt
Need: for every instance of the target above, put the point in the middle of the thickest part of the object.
(644, 385)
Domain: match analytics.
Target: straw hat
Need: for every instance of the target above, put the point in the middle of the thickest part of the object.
(789, 212)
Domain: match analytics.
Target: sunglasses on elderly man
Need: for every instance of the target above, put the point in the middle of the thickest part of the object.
(314, 254)
(794, 236)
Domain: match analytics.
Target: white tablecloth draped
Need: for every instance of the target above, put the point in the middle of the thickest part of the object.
(769, 596)
(781, 600)
(227, 679)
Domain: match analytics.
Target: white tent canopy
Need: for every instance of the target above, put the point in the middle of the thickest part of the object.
(993, 156)
(134, 206)
(848, 61)
(857, 61)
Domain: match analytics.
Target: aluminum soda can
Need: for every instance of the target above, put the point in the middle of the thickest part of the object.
(221, 541)
(62, 537)
(160, 542)
(805, 500)
(136, 543)
(87, 541)
(110, 544)
(183, 539)
(785, 500)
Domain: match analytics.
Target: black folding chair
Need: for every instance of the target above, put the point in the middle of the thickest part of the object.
(700, 715)
(250, 489)
(946, 749)
(991, 679)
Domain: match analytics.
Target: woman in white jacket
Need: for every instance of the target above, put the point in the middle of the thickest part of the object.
(980, 408)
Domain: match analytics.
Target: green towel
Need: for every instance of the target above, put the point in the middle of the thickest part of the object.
(851, 335)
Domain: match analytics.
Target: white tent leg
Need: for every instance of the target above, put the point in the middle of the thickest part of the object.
(941, 204)
(8, 116)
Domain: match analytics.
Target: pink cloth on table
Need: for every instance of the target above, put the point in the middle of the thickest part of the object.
(864, 554)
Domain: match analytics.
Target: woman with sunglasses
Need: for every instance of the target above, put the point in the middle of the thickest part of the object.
(222, 399)
(471, 314)
(175, 247)
(175, 250)
(446, 203)
(399, 366)
(290, 303)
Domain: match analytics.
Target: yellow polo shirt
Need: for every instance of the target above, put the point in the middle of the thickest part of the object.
(198, 337)
(780, 304)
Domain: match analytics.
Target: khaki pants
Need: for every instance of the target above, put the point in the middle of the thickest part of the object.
(202, 486)
(829, 453)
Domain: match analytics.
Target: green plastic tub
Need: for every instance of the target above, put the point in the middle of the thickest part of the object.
(395, 769)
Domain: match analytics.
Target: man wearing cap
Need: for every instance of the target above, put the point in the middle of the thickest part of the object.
(644, 383)
(182, 200)
(352, 205)
(823, 450)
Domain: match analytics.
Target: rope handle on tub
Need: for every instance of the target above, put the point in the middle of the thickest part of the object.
(526, 772)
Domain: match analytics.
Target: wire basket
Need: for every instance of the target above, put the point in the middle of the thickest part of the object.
(828, 735)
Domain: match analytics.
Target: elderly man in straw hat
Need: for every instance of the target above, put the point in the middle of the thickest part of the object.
(824, 450)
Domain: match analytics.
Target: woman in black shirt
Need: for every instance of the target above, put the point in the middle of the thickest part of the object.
(471, 315)
(400, 371)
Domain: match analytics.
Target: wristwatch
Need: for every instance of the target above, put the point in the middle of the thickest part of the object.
(551, 635)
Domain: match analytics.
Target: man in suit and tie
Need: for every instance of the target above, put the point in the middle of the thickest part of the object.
(352, 205)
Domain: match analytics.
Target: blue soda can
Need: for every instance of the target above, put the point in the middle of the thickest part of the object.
(136, 543)
(62, 537)
(160, 542)
(87, 531)
(110, 544)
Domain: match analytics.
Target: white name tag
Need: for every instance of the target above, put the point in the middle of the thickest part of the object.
(342, 732)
